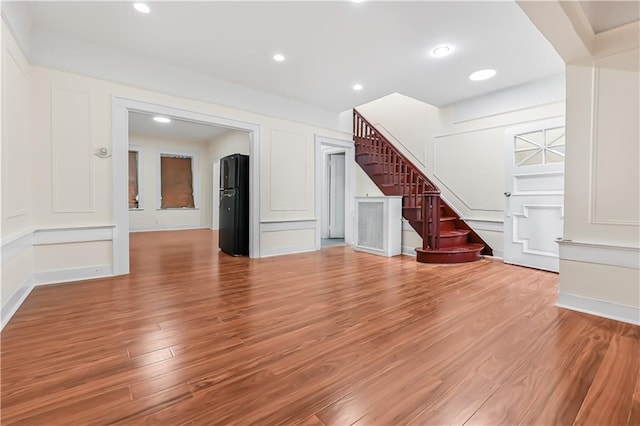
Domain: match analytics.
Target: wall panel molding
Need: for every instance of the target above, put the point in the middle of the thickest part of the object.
(168, 228)
(13, 247)
(289, 226)
(603, 254)
(485, 224)
(71, 151)
(72, 235)
(15, 132)
(289, 155)
(600, 67)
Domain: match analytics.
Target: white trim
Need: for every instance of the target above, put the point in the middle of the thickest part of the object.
(15, 246)
(120, 145)
(603, 254)
(275, 226)
(349, 178)
(72, 235)
(15, 301)
(73, 274)
(140, 171)
(615, 311)
(497, 254)
(279, 251)
(195, 176)
(485, 224)
(168, 228)
(408, 251)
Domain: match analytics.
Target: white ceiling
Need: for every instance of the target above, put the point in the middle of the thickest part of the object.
(143, 124)
(606, 15)
(330, 46)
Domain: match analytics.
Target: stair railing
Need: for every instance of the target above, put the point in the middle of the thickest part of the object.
(431, 224)
(402, 172)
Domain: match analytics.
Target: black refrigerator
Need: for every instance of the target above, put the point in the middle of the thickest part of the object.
(233, 233)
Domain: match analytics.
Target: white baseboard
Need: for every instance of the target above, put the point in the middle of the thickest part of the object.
(599, 308)
(409, 251)
(70, 275)
(499, 254)
(278, 251)
(11, 307)
(168, 228)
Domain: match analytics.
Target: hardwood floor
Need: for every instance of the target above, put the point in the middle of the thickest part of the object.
(334, 337)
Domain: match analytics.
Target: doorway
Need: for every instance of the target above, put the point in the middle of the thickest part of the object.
(333, 197)
(534, 206)
(334, 191)
(120, 149)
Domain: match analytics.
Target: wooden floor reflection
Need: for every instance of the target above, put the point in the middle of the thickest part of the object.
(334, 337)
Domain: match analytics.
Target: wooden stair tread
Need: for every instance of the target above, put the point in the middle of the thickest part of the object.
(454, 233)
(467, 248)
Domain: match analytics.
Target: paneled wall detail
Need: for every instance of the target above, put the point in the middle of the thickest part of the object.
(289, 179)
(71, 151)
(615, 148)
(15, 133)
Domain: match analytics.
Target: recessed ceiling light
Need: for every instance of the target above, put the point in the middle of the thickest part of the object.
(357, 87)
(162, 119)
(141, 7)
(482, 75)
(357, 1)
(441, 51)
(278, 57)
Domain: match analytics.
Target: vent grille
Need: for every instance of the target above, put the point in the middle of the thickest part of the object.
(371, 225)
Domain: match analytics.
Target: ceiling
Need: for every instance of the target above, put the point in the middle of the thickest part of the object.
(329, 46)
(607, 15)
(143, 124)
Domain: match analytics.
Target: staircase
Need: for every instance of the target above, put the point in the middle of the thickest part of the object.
(445, 237)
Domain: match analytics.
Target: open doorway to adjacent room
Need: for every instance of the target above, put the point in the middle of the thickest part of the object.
(334, 189)
(333, 197)
(166, 172)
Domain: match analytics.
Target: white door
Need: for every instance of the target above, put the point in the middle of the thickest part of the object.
(336, 195)
(534, 205)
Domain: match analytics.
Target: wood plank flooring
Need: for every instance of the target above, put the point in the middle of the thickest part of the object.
(337, 337)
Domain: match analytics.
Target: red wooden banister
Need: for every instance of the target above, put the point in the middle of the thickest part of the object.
(446, 238)
(414, 184)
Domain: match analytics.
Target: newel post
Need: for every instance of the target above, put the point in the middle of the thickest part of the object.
(431, 220)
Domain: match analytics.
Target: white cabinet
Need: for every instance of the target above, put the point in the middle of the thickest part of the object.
(378, 227)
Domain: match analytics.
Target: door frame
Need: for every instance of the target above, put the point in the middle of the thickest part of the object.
(120, 147)
(348, 148)
(327, 198)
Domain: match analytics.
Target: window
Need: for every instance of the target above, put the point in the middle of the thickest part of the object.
(540, 147)
(178, 181)
(135, 178)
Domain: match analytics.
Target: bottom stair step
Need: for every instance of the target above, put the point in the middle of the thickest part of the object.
(458, 254)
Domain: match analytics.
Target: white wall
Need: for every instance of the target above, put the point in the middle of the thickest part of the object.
(150, 216)
(229, 142)
(602, 186)
(286, 156)
(15, 152)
